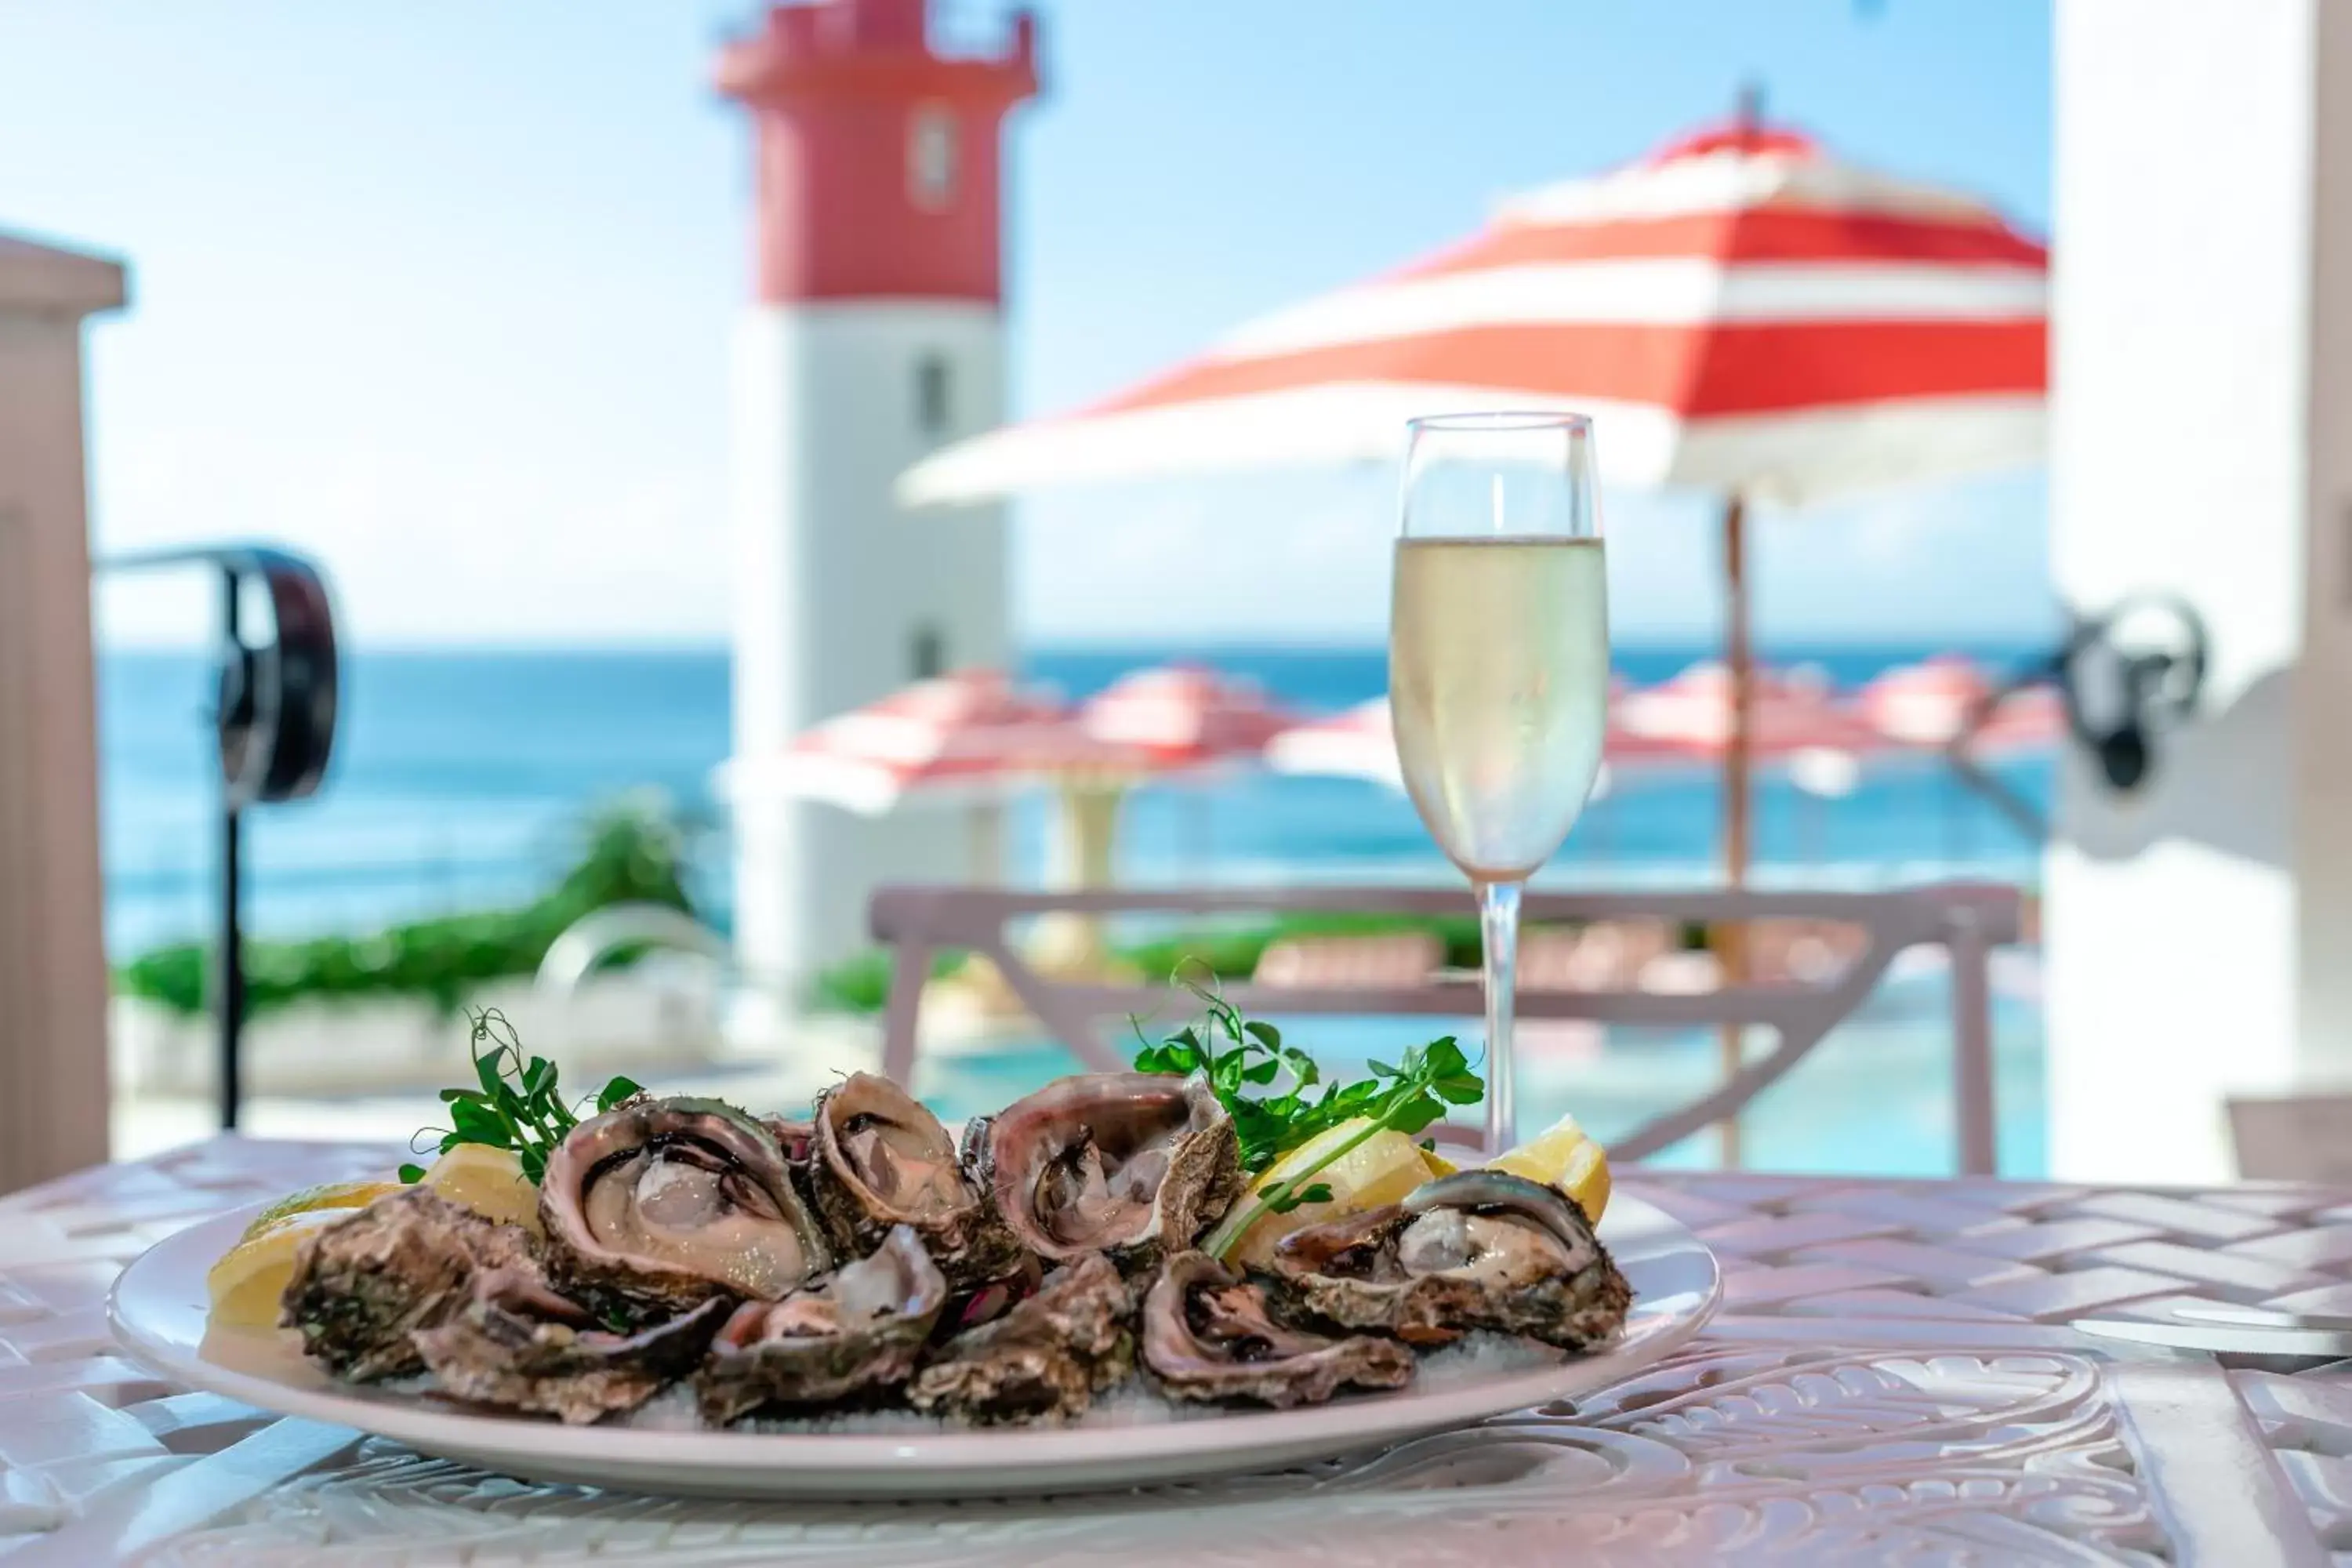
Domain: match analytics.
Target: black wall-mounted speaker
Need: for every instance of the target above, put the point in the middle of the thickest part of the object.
(277, 695)
(2129, 675)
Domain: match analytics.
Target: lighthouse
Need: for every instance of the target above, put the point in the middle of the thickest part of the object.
(875, 334)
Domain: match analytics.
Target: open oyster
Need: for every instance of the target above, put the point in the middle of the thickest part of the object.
(1131, 1165)
(362, 1284)
(659, 1204)
(519, 1345)
(794, 1134)
(1208, 1335)
(1045, 1359)
(1477, 1250)
(879, 1160)
(862, 1328)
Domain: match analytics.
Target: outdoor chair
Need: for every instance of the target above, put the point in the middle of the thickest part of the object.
(918, 923)
(2292, 1137)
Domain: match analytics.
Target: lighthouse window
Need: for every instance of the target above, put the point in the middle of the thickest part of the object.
(927, 652)
(931, 157)
(933, 406)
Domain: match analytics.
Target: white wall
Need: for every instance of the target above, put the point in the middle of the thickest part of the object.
(2199, 934)
(831, 578)
(53, 1079)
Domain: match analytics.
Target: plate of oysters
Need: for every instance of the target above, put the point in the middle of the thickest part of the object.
(1089, 1289)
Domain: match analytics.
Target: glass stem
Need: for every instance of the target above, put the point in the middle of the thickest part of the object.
(1498, 929)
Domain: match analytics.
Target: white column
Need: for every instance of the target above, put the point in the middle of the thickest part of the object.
(52, 978)
(2199, 934)
(838, 590)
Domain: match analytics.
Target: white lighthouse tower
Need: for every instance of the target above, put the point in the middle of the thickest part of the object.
(875, 334)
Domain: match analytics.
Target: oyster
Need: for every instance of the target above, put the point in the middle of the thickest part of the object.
(1477, 1250)
(1208, 1335)
(519, 1345)
(659, 1204)
(862, 1328)
(362, 1284)
(793, 1134)
(1045, 1359)
(878, 1160)
(1132, 1164)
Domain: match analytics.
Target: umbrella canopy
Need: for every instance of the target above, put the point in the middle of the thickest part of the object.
(1181, 716)
(1741, 313)
(1931, 703)
(969, 735)
(1788, 712)
(1361, 742)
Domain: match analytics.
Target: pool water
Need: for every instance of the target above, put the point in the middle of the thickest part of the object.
(1876, 1096)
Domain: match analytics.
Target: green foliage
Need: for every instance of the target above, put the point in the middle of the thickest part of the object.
(1231, 952)
(861, 983)
(1275, 1093)
(1278, 1100)
(518, 1106)
(630, 855)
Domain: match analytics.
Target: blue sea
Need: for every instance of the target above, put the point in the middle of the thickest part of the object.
(459, 779)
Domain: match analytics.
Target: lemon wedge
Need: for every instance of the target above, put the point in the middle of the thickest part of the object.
(251, 1277)
(331, 1195)
(1564, 1156)
(489, 1182)
(1381, 1170)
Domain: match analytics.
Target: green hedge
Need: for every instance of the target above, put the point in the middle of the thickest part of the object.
(630, 856)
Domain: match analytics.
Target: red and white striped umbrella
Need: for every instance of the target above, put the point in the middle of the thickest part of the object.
(1357, 744)
(1789, 711)
(1180, 716)
(1741, 313)
(1929, 704)
(969, 735)
(1361, 742)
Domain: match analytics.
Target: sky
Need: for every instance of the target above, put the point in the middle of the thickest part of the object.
(442, 291)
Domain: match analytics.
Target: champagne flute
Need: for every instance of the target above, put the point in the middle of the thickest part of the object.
(1498, 667)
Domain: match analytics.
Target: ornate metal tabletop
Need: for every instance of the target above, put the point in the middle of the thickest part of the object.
(1891, 1380)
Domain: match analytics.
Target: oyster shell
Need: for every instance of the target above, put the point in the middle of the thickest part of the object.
(1131, 1165)
(1477, 1250)
(879, 1160)
(794, 1133)
(1209, 1335)
(659, 1204)
(862, 1328)
(362, 1284)
(1045, 1359)
(519, 1346)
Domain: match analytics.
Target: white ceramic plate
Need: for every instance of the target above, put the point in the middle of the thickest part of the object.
(158, 1312)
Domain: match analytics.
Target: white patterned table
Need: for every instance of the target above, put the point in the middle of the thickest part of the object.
(1890, 1381)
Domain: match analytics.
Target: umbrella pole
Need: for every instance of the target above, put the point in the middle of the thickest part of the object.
(1732, 939)
(1066, 943)
(985, 833)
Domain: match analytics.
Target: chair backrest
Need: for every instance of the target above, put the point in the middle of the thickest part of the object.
(1969, 919)
(2293, 1138)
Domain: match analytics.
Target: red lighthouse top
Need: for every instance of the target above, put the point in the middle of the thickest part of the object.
(877, 156)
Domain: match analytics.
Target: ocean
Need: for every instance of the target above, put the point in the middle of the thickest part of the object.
(460, 777)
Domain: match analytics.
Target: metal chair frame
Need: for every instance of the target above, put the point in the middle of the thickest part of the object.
(1968, 920)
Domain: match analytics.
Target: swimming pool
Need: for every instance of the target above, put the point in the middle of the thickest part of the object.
(1875, 1097)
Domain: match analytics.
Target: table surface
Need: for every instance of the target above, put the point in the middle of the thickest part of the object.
(1890, 1380)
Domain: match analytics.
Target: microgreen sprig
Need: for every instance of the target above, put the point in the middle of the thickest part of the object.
(518, 1106)
(1292, 1105)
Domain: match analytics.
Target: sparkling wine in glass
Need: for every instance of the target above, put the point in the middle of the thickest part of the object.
(1498, 667)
